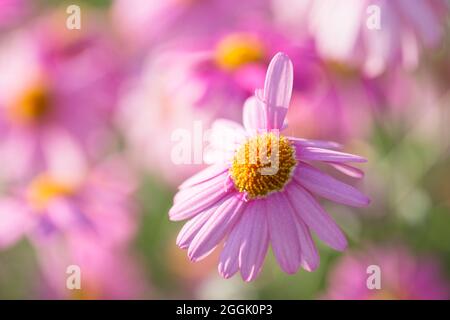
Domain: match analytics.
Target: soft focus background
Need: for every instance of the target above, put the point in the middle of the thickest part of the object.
(86, 135)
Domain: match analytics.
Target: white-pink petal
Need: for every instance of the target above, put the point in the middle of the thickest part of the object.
(347, 170)
(191, 201)
(328, 187)
(319, 154)
(254, 248)
(216, 227)
(225, 136)
(310, 255)
(315, 217)
(204, 175)
(254, 115)
(283, 233)
(299, 142)
(192, 227)
(278, 89)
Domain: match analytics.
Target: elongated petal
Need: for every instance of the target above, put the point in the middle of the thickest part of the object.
(348, 170)
(278, 89)
(192, 227)
(191, 201)
(254, 249)
(225, 136)
(229, 257)
(204, 175)
(254, 115)
(315, 143)
(329, 187)
(215, 229)
(283, 233)
(319, 154)
(310, 256)
(310, 211)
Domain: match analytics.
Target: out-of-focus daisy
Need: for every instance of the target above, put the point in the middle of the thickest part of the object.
(261, 189)
(345, 31)
(13, 11)
(52, 80)
(403, 276)
(105, 273)
(68, 198)
(153, 23)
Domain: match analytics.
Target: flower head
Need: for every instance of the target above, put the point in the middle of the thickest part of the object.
(375, 35)
(70, 88)
(261, 189)
(71, 200)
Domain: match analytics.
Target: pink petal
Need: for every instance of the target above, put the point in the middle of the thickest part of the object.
(215, 229)
(348, 170)
(278, 89)
(310, 211)
(254, 115)
(319, 154)
(315, 143)
(224, 138)
(310, 256)
(283, 233)
(192, 227)
(254, 249)
(192, 201)
(425, 21)
(229, 258)
(14, 222)
(329, 187)
(204, 175)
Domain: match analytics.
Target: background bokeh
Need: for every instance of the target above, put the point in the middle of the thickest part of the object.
(86, 127)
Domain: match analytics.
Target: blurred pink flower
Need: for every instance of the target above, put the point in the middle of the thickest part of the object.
(12, 11)
(153, 22)
(105, 273)
(403, 276)
(53, 80)
(241, 198)
(341, 30)
(70, 199)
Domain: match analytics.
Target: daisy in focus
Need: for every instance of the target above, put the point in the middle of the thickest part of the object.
(261, 188)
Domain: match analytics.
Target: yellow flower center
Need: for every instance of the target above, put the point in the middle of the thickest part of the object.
(237, 50)
(32, 107)
(43, 189)
(390, 294)
(341, 69)
(262, 165)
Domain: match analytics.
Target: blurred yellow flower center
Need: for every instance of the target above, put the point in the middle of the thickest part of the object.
(32, 106)
(341, 69)
(237, 50)
(262, 165)
(44, 189)
(90, 293)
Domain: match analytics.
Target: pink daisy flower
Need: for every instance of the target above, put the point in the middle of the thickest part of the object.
(54, 82)
(403, 276)
(340, 28)
(69, 199)
(254, 201)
